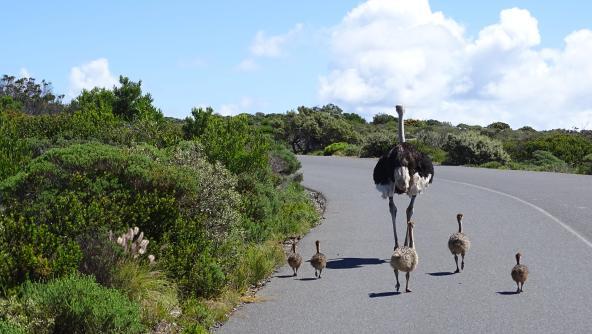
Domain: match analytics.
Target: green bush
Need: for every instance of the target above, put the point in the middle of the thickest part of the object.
(149, 288)
(256, 262)
(571, 148)
(493, 165)
(79, 305)
(81, 188)
(283, 161)
(586, 166)
(10, 328)
(229, 140)
(436, 154)
(473, 148)
(335, 148)
(376, 144)
(351, 150)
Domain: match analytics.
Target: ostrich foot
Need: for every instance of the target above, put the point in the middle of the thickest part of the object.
(397, 286)
(408, 290)
(457, 271)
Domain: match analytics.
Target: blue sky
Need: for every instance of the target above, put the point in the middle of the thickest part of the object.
(273, 56)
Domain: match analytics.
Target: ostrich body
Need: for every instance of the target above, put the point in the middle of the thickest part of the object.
(519, 274)
(318, 261)
(405, 258)
(294, 260)
(459, 243)
(402, 170)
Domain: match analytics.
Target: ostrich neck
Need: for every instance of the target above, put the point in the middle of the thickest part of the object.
(517, 260)
(401, 129)
(318, 248)
(411, 244)
(293, 248)
(459, 226)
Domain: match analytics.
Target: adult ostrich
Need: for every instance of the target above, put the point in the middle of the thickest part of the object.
(402, 170)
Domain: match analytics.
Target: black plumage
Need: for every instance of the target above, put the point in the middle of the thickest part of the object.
(402, 155)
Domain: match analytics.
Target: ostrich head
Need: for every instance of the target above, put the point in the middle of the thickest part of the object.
(401, 111)
(459, 217)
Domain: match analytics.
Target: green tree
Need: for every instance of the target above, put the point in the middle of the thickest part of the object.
(474, 148)
(130, 104)
(312, 129)
(34, 98)
(383, 119)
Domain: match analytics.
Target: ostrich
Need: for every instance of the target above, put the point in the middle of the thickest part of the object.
(318, 261)
(405, 258)
(402, 170)
(519, 274)
(459, 243)
(294, 260)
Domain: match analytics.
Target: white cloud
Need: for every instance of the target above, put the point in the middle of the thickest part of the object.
(264, 46)
(243, 106)
(247, 65)
(271, 46)
(387, 52)
(24, 73)
(93, 74)
(192, 63)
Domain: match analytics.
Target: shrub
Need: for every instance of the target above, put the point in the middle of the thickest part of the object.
(571, 148)
(230, 141)
(586, 166)
(351, 150)
(436, 154)
(283, 161)
(92, 186)
(255, 263)
(473, 148)
(149, 288)
(376, 144)
(10, 328)
(79, 305)
(492, 165)
(335, 148)
(383, 119)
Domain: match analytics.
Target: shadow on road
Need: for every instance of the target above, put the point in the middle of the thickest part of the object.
(308, 279)
(507, 293)
(352, 262)
(284, 276)
(441, 273)
(383, 294)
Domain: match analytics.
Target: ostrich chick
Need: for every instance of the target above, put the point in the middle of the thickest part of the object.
(519, 274)
(405, 258)
(294, 260)
(318, 261)
(459, 244)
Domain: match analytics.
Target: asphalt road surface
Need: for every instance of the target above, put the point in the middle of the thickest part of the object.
(545, 216)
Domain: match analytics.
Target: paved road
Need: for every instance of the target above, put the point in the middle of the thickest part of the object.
(546, 216)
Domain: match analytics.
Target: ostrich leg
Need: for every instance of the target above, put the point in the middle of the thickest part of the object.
(410, 208)
(393, 211)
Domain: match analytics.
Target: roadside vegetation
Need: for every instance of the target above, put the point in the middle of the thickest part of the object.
(328, 130)
(116, 219)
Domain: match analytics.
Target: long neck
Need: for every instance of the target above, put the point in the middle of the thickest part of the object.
(460, 226)
(293, 247)
(318, 251)
(517, 259)
(406, 237)
(411, 244)
(401, 111)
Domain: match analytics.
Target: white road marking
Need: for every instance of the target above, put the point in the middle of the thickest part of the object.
(539, 209)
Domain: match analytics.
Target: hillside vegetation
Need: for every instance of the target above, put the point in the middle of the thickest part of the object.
(327, 130)
(116, 219)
